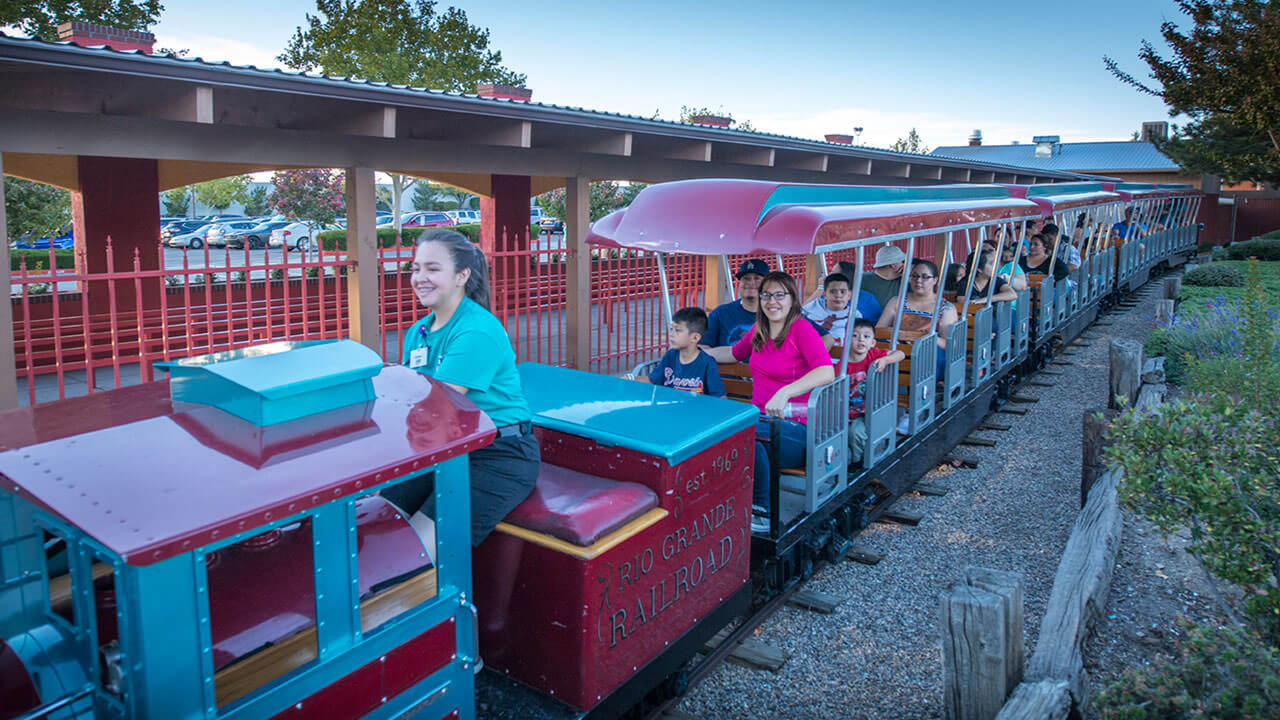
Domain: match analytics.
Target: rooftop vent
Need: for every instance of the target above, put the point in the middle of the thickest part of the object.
(713, 120)
(1046, 145)
(976, 138)
(90, 35)
(1154, 131)
(504, 92)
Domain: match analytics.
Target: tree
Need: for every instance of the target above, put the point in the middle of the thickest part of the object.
(314, 196)
(630, 192)
(1222, 74)
(176, 201)
(257, 202)
(398, 41)
(1219, 146)
(220, 193)
(687, 114)
(911, 143)
(41, 17)
(603, 198)
(35, 210)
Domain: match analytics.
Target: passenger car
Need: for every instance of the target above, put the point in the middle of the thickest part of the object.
(296, 235)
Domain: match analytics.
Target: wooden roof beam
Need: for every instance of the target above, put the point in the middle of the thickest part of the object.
(744, 155)
(925, 172)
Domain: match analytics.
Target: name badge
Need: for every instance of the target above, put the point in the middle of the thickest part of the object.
(418, 358)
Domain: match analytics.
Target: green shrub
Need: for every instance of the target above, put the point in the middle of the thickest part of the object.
(1262, 248)
(1205, 247)
(1223, 674)
(337, 239)
(66, 259)
(1273, 235)
(1214, 276)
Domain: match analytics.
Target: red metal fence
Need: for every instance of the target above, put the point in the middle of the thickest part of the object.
(66, 337)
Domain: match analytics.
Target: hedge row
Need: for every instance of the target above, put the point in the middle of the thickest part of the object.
(1263, 248)
(337, 239)
(66, 259)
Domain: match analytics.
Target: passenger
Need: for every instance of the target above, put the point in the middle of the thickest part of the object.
(1128, 225)
(461, 344)
(787, 361)
(867, 306)
(922, 296)
(1075, 255)
(884, 281)
(1012, 274)
(955, 278)
(733, 319)
(730, 321)
(830, 311)
(685, 366)
(1038, 260)
(863, 355)
(982, 279)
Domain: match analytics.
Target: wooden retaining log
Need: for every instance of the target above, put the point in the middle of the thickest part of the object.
(1043, 700)
(1093, 443)
(1126, 371)
(1079, 593)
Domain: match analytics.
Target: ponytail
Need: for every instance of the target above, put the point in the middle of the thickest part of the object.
(466, 255)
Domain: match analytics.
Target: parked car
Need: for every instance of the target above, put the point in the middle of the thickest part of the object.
(215, 232)
(427, 218)
(464, 217)
(62, 242)
(193, 239)
(295, 235)
(255, 237)
(181, 228)
(551, 224)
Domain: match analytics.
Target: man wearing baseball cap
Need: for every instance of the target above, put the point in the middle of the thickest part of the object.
(733, 319)
(883, 282)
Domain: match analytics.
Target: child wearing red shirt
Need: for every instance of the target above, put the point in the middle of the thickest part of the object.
(863, 355)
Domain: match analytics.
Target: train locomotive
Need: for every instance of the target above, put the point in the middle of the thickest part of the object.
(215, 545)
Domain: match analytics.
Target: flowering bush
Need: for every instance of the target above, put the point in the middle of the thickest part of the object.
(1213, 330)
(311, 195)
(1223, 675)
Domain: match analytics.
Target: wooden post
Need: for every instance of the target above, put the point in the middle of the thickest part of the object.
(1126, 371)
(1043, 700)
(1093, 443)
(1172, 287)
(974, 665)
(813, 276)
(362, 243)
(1164, 312)
(577, 326)
(8, 363)
(1009, 586)
(713, 282)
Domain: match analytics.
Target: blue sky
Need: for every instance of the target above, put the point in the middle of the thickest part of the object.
(1011, 69)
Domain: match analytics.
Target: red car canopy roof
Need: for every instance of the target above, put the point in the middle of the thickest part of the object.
(715, 217)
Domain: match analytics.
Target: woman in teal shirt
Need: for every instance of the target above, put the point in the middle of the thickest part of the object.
(461, 344)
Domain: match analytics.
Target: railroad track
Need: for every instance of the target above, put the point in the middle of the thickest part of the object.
(730, 643)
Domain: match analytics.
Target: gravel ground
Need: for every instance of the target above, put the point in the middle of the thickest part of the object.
(879, 656)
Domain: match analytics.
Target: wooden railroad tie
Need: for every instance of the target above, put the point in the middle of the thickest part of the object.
(1050, 371)
(1010, 410)
(928, 488)
(750, 652)
(978, 441)
(961, 462)
(1023, 398)
(900, 517)
(819, 602)
(863, 555)
(990, 423)
(676, 714)
(1058, 361)
(1040, 383)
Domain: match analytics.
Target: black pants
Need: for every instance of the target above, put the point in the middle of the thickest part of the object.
(502, 476)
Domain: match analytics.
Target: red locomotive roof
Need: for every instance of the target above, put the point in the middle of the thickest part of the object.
(714, 217)
(148, 483)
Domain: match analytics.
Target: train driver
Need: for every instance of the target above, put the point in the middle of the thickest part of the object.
(461, 344)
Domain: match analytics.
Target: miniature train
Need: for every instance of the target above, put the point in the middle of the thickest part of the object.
(215, 545)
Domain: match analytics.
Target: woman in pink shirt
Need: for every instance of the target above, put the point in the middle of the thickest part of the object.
(788, 359)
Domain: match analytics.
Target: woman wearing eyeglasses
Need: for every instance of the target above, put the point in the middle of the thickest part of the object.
(788, 359)
(917, 310)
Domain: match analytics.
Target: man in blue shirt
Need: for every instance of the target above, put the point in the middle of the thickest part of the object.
(733, 319)
(1127, 229)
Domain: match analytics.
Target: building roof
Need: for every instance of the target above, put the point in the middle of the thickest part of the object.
(1071, 157)
(555, 127)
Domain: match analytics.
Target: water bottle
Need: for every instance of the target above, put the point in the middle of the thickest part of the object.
(795, 411)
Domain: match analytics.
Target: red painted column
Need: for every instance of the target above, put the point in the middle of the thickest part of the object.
(504, 237)
(118, 198)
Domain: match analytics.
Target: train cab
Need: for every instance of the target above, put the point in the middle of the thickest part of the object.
(633, 549)
(215, 545)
